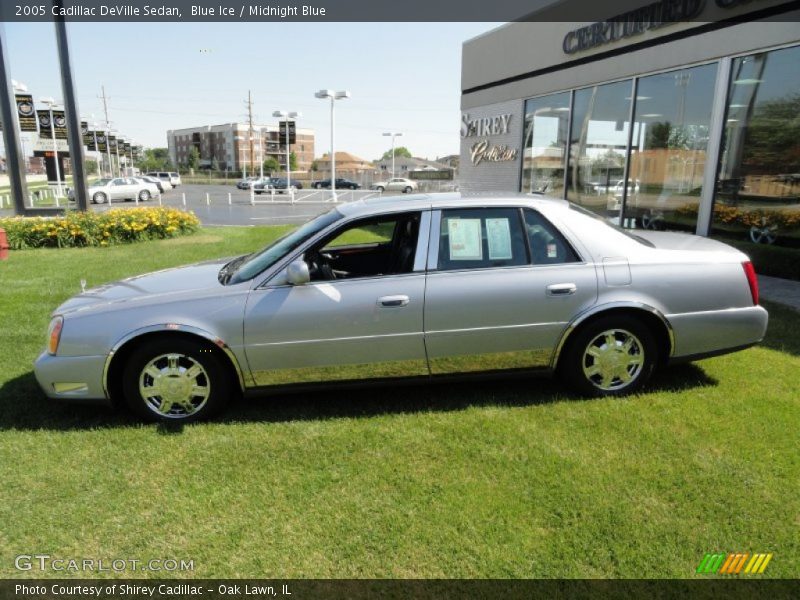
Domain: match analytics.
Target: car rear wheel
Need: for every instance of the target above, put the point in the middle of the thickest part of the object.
(380, 188)
(612, 356)
(144, 196)
(407, 189)
(317, 186)
(99, 198)
(173, 380)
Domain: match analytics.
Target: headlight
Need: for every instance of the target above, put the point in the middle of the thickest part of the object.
(54, 334)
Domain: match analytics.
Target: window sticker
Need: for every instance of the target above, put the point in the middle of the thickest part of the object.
(552, 251)
(498, 234)
(465, 239)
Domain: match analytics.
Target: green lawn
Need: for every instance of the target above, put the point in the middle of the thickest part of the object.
(510, 479)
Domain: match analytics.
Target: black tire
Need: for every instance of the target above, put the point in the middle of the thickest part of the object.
(144, 196)
(317, 186)
(380, 188)
(169, 355)
(99, 198)
(618, 370)
(407, 189)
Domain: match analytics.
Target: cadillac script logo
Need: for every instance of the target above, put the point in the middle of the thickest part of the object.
(484, 150)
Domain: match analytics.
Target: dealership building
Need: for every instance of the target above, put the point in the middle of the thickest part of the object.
(690, 122)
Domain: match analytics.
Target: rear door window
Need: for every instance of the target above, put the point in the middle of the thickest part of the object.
(481, 238)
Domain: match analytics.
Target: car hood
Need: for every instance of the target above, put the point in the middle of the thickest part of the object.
(194, 279)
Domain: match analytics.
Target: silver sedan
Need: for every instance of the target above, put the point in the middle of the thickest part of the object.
(425, 287)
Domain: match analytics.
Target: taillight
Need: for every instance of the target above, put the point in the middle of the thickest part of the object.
(54, 334)
(752, 280)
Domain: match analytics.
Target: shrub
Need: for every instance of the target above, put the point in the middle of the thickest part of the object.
(115, 226)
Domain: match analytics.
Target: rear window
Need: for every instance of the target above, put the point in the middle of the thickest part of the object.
(625, 232)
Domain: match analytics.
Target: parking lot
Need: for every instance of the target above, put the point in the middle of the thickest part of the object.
(227, 205)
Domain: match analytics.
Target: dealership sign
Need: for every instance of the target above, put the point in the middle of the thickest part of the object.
(634, 22)
(26, 112)
(484, 150)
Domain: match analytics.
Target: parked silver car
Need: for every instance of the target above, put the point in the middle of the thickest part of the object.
(395, 184)
(426, 287)
(118, 188)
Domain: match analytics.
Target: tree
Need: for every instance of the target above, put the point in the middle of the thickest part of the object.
(271, 165)
(214, 164)
(155, 159)
(293, 161)
(401, 151)
(91, 167)
(193, 159)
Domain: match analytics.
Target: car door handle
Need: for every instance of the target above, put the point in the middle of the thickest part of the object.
(561, 289)
(393, 301)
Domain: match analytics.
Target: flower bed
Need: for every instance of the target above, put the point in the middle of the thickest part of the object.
(116, 226)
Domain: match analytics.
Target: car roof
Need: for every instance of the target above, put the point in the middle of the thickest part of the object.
(386, 204)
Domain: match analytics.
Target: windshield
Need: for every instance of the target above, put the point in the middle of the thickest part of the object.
(254, 264)
(613, 226)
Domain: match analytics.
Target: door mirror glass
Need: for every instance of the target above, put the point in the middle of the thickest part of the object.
(297, 273)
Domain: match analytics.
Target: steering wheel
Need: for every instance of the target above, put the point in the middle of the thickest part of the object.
(319, 266)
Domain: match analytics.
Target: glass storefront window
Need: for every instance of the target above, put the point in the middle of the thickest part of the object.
(598, 147)
(668, 154)
(545, 144)
(758, 188)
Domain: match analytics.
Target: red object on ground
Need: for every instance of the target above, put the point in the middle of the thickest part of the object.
(3, 245)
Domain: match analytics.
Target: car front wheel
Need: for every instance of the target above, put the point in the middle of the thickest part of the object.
(407, 190)
(380, 188)
(612, 356)
(173, 380)
(144, 196)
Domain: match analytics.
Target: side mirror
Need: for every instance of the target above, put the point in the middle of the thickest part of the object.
(297, 273)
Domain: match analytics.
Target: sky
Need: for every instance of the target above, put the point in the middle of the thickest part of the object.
(403, 77)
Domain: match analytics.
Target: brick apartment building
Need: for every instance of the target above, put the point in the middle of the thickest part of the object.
(228, 144)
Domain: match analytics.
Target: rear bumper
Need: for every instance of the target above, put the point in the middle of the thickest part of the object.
(710, 333)
(71, 377)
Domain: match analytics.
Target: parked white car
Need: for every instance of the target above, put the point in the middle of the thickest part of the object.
(395, 184)
(161, 186)
(118, 188)
(164, 177)
(174, 178)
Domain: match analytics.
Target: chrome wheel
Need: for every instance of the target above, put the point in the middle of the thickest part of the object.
(174, 385)
(613, 360)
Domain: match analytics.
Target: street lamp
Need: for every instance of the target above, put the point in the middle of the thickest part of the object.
(50, 104)
(341, 95)
(393, 136)
(287, 116)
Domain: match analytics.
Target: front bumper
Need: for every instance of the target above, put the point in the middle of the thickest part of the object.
(713, 332)
(71, 377)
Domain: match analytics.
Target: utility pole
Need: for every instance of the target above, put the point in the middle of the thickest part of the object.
(108, 126)
(250, 119)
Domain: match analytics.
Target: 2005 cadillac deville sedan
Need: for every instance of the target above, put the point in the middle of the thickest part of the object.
(423, 286)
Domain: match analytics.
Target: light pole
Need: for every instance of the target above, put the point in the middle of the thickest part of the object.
(287, 116)
(50, 104)
(393, 136)
(334, 96)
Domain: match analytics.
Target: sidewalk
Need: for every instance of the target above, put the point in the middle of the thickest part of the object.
(784, 291)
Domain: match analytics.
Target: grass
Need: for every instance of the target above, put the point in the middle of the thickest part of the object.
(504, 479)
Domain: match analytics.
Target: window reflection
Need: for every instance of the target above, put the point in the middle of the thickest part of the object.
(598, 147)
(758, 188)
(543, 158)
(668, 153)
